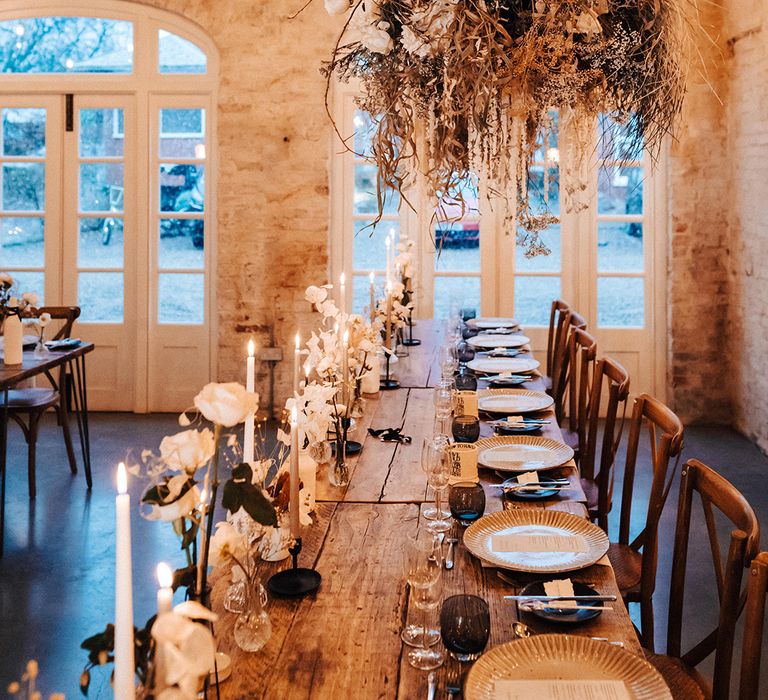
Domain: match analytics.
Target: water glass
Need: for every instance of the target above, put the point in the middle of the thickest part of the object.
(423, 554)
(430, 450)
(467, 502)
(465, 626)
(443, 402)
(466, 428)
(437, 478)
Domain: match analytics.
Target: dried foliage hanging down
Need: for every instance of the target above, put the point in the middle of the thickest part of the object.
(465, 87)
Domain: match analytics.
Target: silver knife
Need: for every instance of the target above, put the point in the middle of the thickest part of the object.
(432, 687)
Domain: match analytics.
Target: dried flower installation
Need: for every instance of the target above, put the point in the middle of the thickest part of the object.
(465, 88)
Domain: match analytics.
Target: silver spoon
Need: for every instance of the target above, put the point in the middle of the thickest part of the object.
(522, 631)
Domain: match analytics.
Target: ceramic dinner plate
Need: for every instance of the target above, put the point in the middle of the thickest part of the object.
(570, 542)
(511, 402)
(489, 342)
(497, 365)
(491, 322)
(548, 657)
(522, 453)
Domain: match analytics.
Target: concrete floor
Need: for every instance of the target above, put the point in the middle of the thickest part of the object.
(56, 578)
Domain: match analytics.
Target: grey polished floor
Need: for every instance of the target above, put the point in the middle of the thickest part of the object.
(56, 578)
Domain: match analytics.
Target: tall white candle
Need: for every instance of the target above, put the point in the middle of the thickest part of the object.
(13, 337)
(296, 364)
(248, 446)
(389, 314)
(293, 507)
(372, 278)
(201, 556)
(345, 370)
(388, 243)
(124, 681)
(165, 591)
(343, 298)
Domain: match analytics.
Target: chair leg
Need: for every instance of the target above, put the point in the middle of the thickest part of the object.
(646, 622)
(61, 413)
(34, 419)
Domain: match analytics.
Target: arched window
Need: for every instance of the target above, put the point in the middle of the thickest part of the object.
(107, 124)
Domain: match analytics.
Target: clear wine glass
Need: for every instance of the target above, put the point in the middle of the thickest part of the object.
(423, 551)
(437, 478)
(424, 575)
(443, 403)
(429, 453)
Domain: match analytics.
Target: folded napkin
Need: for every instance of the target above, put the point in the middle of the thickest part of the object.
(390, 435)
(560, 587)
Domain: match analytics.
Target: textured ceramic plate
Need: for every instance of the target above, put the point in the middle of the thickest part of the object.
(513, 402)
(529, 522)
(496, 365)
(522, 453)
(563, 657)
(489, 342)
(490, 322)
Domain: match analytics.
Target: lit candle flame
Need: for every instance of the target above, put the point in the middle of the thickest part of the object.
(372, 276)
(342, 279)
(307, 369)
(345, 339)
(122, 478)
(298, 340)
(251, 348)
(164, 575)
(203, 499)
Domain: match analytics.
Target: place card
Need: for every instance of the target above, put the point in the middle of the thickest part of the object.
(463, 463)
(465, 403)
(515, 420)
(558, 588)
(538, 543)
(528, 478)
(560, 690)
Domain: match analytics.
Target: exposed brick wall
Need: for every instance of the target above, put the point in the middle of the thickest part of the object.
(746, 30)
(273, 150)
(698, 290)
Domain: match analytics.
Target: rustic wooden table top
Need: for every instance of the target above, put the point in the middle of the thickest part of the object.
(31, 366)
(344, 641)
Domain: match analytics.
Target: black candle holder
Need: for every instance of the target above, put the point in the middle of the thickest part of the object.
(296, 581)
(410, 341)
(387, 384)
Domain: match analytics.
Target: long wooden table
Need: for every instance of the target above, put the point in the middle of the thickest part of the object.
(344, 641)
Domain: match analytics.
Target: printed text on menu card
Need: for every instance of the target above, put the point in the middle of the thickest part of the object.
(560, 690)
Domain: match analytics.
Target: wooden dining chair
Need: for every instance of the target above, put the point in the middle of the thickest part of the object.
(582, 352)
(557, 339)
(562, 370)
(716, 496)
(27, 406)
(635, 560)
(754, 617)
(610, 382)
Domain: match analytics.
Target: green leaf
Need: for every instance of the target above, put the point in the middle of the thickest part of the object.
(232, 496)
(258, 506)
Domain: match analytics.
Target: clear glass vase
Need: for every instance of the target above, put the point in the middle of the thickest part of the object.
(41, 351)
(235, 597)
(253, 628)
(338, 471)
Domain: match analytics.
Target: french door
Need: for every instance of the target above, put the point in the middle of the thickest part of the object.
(104, 207)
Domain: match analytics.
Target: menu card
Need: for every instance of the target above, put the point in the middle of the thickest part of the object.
(528, 478)
(463, 457)
(538, 543)
(465, 403)
(560, 690)
(562, 587)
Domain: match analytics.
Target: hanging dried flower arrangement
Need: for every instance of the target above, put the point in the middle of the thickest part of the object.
(463, 88)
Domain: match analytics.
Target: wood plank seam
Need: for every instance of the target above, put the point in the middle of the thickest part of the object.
(395, 451)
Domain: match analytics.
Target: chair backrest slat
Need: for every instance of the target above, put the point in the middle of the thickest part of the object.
(754, 616)
(561, 362)
(582, 348)
(68, 314)
(714, 491)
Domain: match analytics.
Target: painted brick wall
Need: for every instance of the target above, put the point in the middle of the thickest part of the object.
(273, 149)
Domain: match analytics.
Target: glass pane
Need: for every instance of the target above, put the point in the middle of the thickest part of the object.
(181, 298)
(182, 133)
(616, 142)
(369, 250)
(22, 242)
(620, 190)
(101, 187)
(364, 129)
(100, 297)
(181, 244)
(365, 192)
(547, 142)
(361, 293)
(182, 188)
(100, 242)
(544, 190)
(101, 132)
(24, 132)
(24, 187)
(542, 263)
(457, 247)
(29, 282)
(66, 45)
(463, 292)
(620, 247)
(620, 302)
(179, 55)
(533, 299)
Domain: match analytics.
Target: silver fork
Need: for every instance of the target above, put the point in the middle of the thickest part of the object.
(453, 681)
